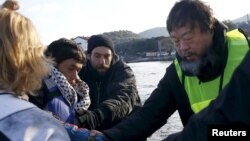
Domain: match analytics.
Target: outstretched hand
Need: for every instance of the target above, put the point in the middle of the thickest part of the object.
(83, 134)
(88, 120)
(97, 136)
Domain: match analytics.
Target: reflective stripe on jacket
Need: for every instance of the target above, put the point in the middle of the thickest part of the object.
(200, 94)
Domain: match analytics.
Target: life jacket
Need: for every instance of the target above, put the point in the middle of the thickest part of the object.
(201, 94)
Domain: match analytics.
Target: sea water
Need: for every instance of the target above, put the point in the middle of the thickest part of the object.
(148, 75)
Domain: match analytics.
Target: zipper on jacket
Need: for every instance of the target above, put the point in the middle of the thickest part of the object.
(98, 86)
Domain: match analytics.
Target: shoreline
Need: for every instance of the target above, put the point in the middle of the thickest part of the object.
(149, 59)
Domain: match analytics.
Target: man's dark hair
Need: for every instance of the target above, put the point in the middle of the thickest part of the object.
(193, 13)
(63, 49)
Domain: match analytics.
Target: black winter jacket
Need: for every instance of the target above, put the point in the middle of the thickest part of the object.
(113, 97)
(168, 97)
(163, 102)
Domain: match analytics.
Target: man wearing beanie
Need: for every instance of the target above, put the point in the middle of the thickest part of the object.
(112, 84)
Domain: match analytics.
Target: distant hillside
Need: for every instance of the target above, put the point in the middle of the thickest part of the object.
(244, 18)
(154, 32)
(161, 31)
(122, 36)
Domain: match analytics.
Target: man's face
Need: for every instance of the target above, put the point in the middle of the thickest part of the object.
(70, 69)
(100, 59)
(191, 45)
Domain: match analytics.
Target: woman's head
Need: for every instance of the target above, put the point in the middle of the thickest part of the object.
(23, 64)
(69, 58)
(11, 4)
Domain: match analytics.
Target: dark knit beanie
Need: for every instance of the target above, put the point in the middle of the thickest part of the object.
(100, 40)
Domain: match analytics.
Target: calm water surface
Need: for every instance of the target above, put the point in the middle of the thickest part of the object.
(148, 74)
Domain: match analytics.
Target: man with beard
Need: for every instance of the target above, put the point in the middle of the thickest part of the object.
(207, 56)
(113, 92)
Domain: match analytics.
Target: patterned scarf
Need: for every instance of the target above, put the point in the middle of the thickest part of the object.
(71, 94)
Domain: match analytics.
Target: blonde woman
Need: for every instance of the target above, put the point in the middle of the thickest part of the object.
(23, 66)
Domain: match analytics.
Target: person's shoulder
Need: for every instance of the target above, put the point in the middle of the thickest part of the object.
(33, 118)
(119, 64)
(171, 72)
(171, 67)
(37, 120)
(42, 119)
(122, 67)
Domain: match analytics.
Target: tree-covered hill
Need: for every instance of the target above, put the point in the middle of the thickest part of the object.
(122, 36)
(131, 45)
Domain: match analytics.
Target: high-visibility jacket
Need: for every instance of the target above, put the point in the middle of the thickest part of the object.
(200, 94)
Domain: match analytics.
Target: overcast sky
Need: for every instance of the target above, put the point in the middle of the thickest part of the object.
(71, 18)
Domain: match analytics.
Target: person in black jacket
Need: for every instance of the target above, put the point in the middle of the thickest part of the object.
(230, 111)
(207, 55)
(113, 92)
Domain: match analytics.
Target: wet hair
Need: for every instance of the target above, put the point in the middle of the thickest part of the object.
(192, 13)
(23, 64)
(63, 49)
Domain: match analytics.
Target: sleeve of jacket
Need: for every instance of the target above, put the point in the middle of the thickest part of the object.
(123, 95)
(230, 108)
(154, 114)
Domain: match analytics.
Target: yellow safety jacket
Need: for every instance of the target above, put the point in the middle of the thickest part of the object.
(201, 94)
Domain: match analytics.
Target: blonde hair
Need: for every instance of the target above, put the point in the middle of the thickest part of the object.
(22, 60)
(11, 4)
